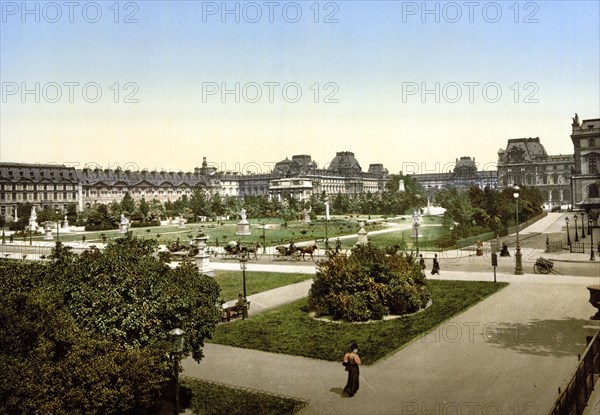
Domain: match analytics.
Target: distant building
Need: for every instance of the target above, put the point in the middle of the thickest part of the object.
(464, 174)
(525, 162)
(56, 185)
(586, 171)
(43, 185)
(106, 186)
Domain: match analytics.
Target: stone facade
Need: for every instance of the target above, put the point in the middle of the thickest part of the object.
(57, 186)
(525, 162)
(42, 185)
(586, 170)
(464, 174)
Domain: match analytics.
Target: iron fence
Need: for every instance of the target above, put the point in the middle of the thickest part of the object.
(573, 399)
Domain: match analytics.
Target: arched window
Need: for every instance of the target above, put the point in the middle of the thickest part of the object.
(593, 191)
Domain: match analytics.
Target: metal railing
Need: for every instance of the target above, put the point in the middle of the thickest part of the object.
(573, 399)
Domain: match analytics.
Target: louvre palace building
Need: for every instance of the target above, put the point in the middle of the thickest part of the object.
(56, 186)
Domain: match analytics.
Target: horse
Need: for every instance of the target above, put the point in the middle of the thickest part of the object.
(308, 250)
(247, 250)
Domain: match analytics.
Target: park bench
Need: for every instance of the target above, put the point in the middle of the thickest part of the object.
(233, 311)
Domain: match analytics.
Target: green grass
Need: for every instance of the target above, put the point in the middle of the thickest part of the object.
(211, 398)
(429, 238)
(290, 330)
(256, 282)
(274, 234)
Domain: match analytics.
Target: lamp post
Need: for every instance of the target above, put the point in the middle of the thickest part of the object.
(582, 226)
(326, 200)
(518, 257)
(243, 266)
(57, 225)
(178, 342)
(568, 235)
(576, 235)
(591, 233)
(416, 226)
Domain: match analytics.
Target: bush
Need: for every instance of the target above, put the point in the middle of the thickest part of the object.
(368, 284)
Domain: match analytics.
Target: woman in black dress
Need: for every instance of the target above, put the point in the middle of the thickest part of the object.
(352, 361)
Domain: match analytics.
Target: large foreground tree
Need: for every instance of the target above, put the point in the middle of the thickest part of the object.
(89, 333)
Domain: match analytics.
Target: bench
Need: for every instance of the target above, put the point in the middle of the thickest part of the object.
(233, 311)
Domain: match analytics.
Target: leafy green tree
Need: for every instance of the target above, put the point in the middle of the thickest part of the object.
(199, 203)
(127, 204)
(368, 284)
(144, 207)
(135, 299)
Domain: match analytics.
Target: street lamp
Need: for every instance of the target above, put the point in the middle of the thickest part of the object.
(582, 226)
(576, 235)
(243, 266)
(326, 200)
(591, 233)
(178, 342)
(57, 225)
(568, 235)
(518, 257)
(416, 225)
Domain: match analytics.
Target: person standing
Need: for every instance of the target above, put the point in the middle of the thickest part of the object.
(436, 266)
(352, 362)
(422, 264)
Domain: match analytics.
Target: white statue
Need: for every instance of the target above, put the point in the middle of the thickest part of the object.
(243, 214)
(33, 216)
(123, 219)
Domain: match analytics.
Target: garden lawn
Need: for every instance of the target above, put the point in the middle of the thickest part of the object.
(210, 398)
(256, 282)
(290, 330)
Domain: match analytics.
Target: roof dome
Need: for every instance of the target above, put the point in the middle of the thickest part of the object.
(344, 161)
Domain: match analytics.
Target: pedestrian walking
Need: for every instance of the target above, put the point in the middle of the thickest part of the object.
(436, 266)
(422, 264)
(352, 362)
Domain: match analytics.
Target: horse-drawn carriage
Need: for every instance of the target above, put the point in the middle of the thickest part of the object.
(236, 250)
(294, 252)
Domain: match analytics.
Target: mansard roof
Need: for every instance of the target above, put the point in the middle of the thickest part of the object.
(345, 162)
(522, 150)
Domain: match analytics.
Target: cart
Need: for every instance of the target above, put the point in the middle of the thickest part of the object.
(543, 266)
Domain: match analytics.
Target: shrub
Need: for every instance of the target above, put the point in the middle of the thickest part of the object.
(368, 284)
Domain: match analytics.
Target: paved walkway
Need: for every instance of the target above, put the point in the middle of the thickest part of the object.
(506, 355)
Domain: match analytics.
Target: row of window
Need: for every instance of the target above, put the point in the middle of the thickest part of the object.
(17, 197)
(30, 187)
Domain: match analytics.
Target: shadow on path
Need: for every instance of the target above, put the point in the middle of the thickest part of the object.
(541, 337)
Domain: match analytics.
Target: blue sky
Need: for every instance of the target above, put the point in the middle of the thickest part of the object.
(542, 57)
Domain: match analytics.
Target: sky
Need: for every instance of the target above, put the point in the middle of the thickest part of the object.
(412, 85)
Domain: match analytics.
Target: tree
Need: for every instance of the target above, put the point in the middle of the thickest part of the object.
(88, 333)
(134, 299)
(127, 204)
(368, 284)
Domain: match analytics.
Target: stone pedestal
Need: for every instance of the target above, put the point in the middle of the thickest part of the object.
(180, 223)
(363, 239)
(242, 228)
(65, 227)
(123, 228)
(202, 259)
(47, 233)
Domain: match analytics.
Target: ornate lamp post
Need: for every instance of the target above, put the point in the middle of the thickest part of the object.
(178, 342)
(568, 235)
(591, 233)
(582, 226)
(576, 235)
(326, 200)
(243, 266)
(518, 257)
